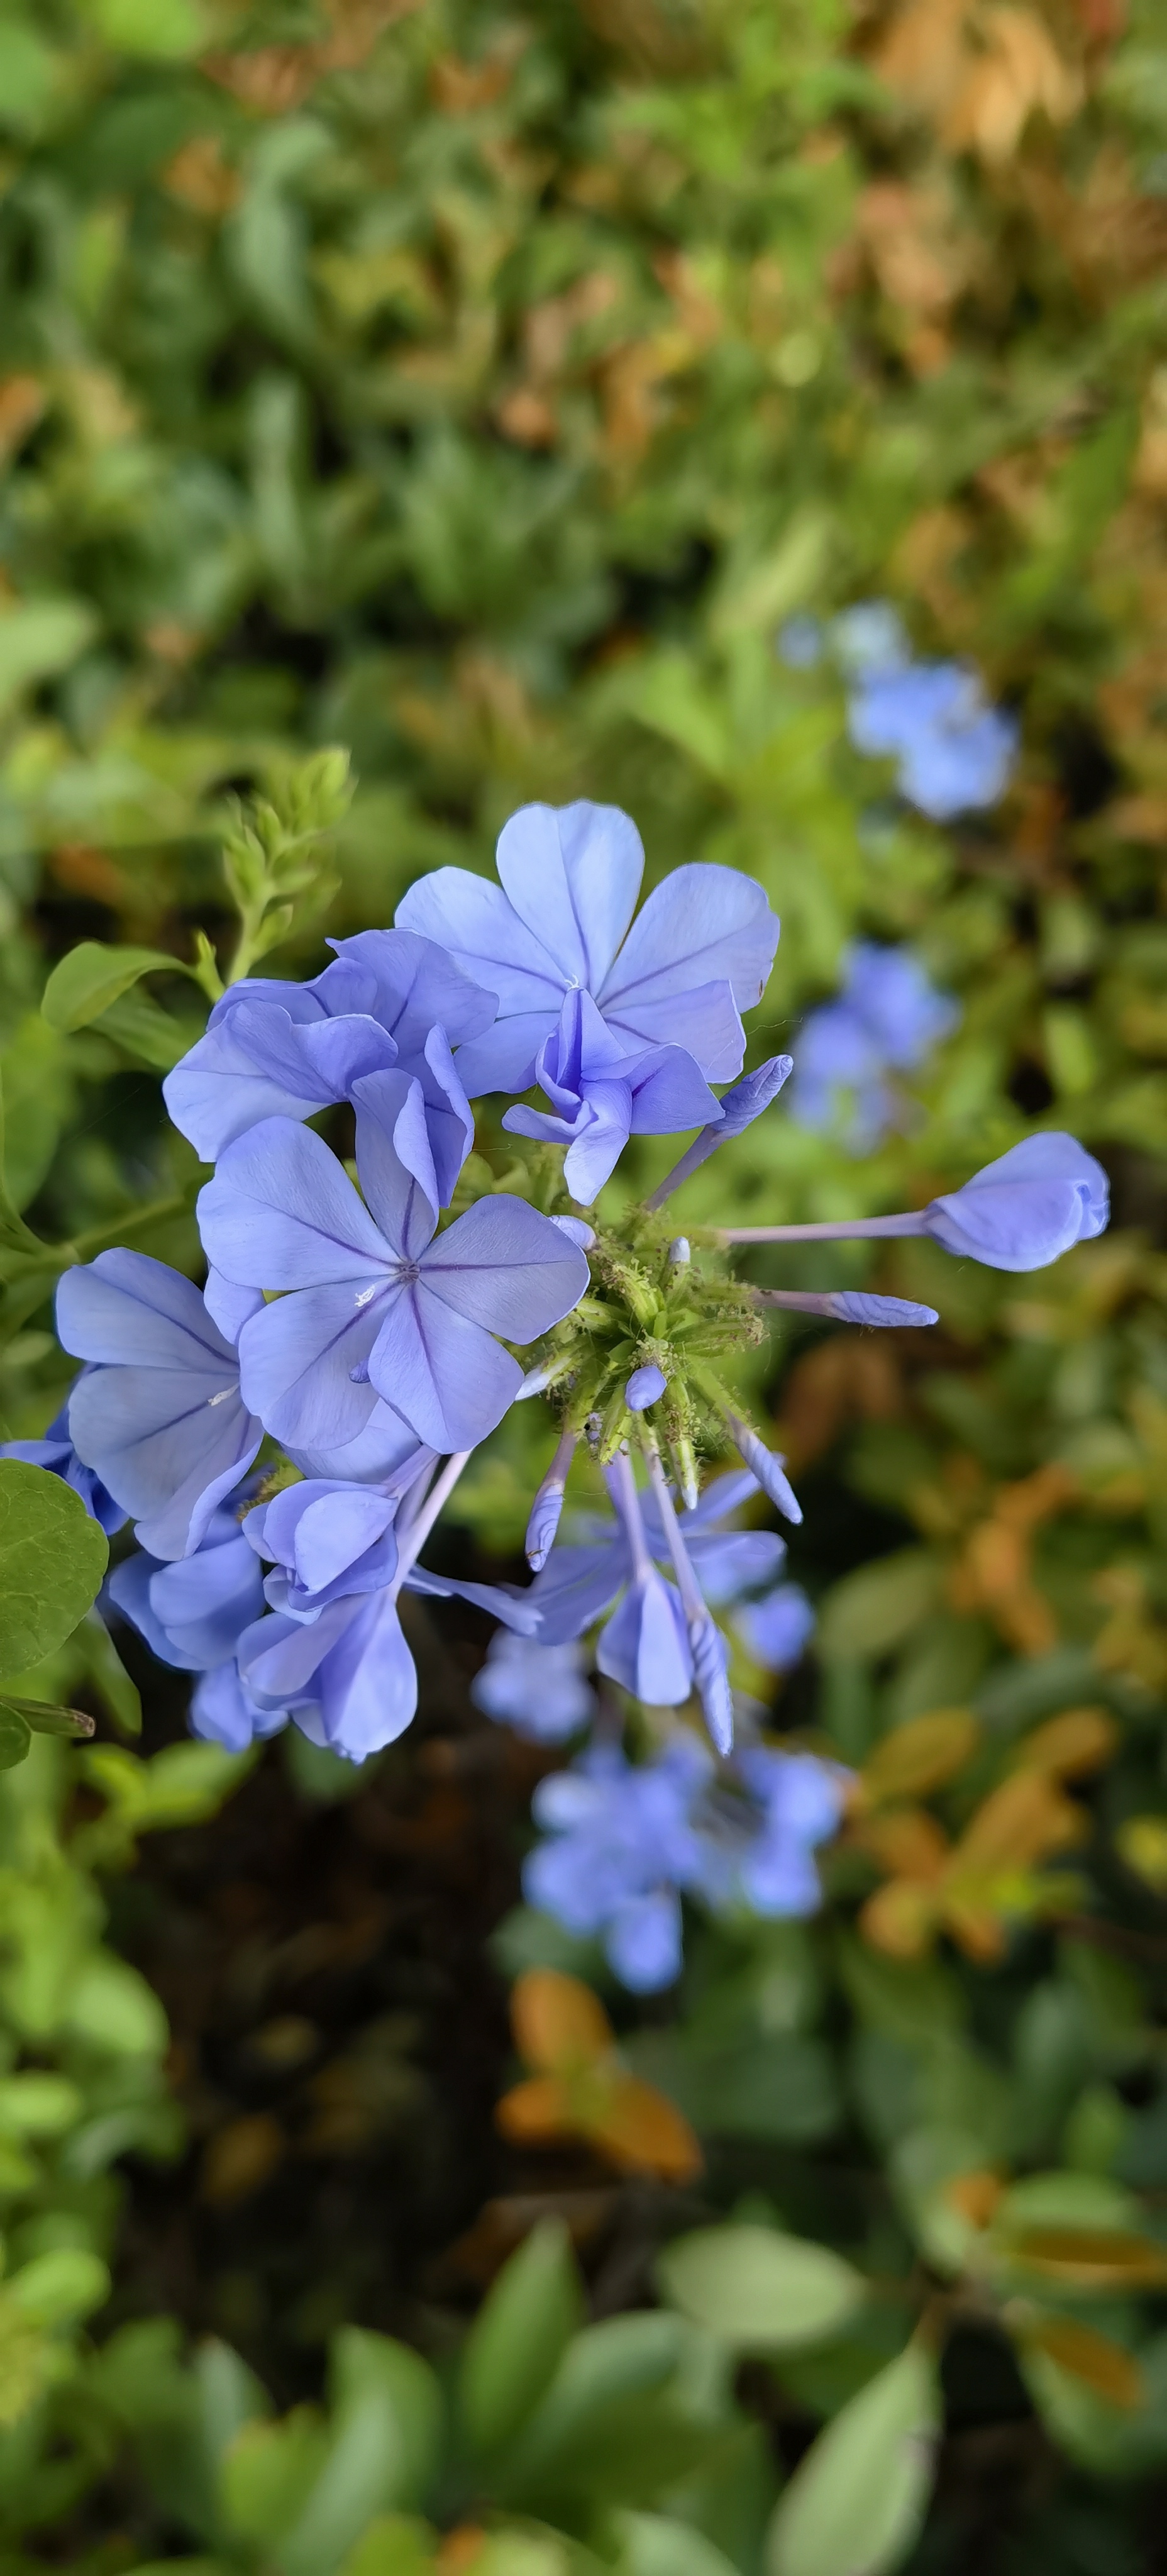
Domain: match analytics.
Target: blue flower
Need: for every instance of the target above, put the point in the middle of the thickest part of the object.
(276, 1049)
(559, 921)
(652, 1645)
(601, 1095)
(192, 1614)
(621, 1844)
(327, 1539)
(539, 1690)
(645, 1386)
(736, 1110)
(375, 1302)
(887, 1015)
(776, 1629)
(158, 1414)
(1027, 1208)
(346, 1675)
(58, 1456)
(953, 750)
(801, 1801)
(800, 642)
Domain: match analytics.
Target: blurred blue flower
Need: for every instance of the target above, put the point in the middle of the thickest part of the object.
(620, 1845)
(776, 1629)
(623, 1842)
(541, 1691)
(953, 750)
(193, 1611)
(801, 1802)
(801, 642)
(870, 637)
(560, 921)
(56, 1453)
(887, 1017)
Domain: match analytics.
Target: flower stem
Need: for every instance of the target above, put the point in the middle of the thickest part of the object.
(847, 1230)
(420, 1528)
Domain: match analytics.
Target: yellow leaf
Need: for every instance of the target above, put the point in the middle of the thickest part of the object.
(1091, 2258)
(1103, 2366)
(1078, 1741)
(558, 2022)
(642, 2129)
(919, 1756)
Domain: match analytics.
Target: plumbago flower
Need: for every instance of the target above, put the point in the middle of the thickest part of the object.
(285, 1437)
(622, 1845)
(886, 1019)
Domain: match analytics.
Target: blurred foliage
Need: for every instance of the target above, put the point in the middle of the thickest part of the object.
(479, 389)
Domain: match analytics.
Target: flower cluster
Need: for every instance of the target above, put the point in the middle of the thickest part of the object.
(886, 1019)
(284, 1438)
(622, 1845)
(952, 750)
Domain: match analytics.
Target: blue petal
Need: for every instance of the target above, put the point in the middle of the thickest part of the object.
(223, 1712)
(645, 1646)
(414, 987)
(644, 1941)
(447, 1376)
(297, 1359)
(473, 921)
(282, 1213)
(321, 1531)
(158, 1416)
(573, 873)
(257, 1062)
(1027, 1208)
(702, 924)
(367, 1686)
(506, 1267)
(395, 1161)
(230, 1306)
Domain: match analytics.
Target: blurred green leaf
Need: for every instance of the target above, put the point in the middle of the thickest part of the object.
(758, 2290)
(519, 2336)
(855, 2503)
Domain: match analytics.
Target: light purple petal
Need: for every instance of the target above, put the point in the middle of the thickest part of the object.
(386, 1452)
(669, 1091)
(504, 1059)
(395, 1161)
(705, 1020)
(449, 1117)
(442, 1371)
(223, 1712)
(367, 1685)
(126, 1308)
(415, 986)
(504, 1266)
(645, 1646)
(282, 1213)
(296, 1361)
(1027, 1208)
(473, 921)
(573, 873)
(229, 1306)
(701, 923)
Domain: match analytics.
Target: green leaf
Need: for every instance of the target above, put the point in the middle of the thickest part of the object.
(46, 1719)
(857, 2500)
(758, 2290)
(107, 1675)
(39, 638)
(147, 1032)
(167, 30)
(871, 1610)
(52, 1559)
(93, 977)
(15, 1738)
(653, 2545)
(60, 2287)
(519, 2336)
(395, 2544)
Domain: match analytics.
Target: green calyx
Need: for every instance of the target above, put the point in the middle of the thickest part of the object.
(645, 1309)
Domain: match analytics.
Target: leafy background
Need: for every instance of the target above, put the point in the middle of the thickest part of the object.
(482, 390)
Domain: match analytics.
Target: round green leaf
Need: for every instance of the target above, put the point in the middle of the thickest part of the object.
(61, 2286)
(758, 2290)
(857, 2500)
(52, 1559)
(93, 977)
